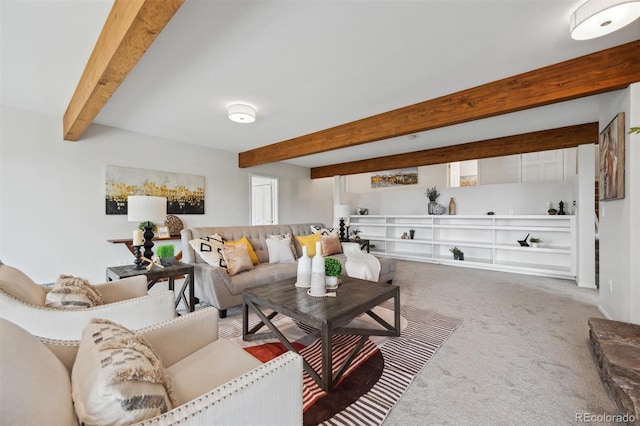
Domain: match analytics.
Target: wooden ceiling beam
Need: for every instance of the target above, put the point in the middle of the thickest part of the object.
(600, 72)
(564, 137)
(131, 27)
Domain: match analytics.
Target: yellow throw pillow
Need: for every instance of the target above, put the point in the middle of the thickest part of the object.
(245, 241)
(309, 241)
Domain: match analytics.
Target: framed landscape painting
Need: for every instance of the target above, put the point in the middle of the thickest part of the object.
(399, 177)
(611, 162)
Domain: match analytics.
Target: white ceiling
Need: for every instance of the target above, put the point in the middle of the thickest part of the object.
(304, 65)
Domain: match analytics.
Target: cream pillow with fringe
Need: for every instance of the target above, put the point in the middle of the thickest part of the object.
(71, 292)
(117, 378)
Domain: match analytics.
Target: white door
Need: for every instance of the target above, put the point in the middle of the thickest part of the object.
(264, 200)
(454, 174)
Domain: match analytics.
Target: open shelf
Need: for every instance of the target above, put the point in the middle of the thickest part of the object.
(489, 242)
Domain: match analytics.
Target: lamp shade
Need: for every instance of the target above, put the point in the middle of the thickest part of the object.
(341, 211)
(596, 18)
(143, 208)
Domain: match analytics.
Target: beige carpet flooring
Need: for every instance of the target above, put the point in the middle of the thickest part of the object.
(520, 357)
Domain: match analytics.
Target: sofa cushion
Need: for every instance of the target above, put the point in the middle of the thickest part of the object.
(280, 251)
(35, 385)
(71, 292)
(237, 258)
(17, 284)
(209, 249)
(208, 368)
(117, 378)
(310, 242)
(330, 245)
(245, 241)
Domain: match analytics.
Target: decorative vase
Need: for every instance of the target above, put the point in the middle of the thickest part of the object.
(168, 261)
(318, 283)
(331, 282)
(412, 232)
(438, 209)
(452, 206)
(431, 207)
(304, 270)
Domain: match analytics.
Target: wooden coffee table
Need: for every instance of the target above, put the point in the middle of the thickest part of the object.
(328, 315)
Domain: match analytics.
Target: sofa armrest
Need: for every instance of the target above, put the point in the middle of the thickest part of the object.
(126, 288)
(68, 324)
(174, 340)
(269, 395)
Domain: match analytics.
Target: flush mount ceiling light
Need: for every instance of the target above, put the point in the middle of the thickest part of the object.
(596, 18)
(242, 113)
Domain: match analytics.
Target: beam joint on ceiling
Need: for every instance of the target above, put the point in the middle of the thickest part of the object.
(130, 29)
(544, 140)
(600, 72)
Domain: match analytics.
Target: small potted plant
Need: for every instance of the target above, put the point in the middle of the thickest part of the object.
(332, 270)
(457, 253)
(166, 254)
(355, 233)
(535, 241)
(432, 194)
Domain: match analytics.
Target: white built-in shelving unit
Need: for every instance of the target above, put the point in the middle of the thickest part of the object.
(488, 242)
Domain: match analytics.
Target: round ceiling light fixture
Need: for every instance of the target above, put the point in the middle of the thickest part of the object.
(596, 18)
(242, 113)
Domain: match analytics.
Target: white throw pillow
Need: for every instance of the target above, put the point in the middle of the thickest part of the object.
(324, 231)
(282, 237)
(280, 251)
(210, 249)
(117, 378)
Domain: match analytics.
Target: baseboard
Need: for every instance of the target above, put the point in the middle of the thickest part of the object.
(603, 312)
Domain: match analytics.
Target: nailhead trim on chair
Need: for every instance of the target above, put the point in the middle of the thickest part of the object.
(256, 372)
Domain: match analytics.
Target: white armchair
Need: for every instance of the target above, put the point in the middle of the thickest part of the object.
(214, 381)
(126, 302)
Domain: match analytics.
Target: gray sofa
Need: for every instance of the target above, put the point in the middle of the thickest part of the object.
(214, 286)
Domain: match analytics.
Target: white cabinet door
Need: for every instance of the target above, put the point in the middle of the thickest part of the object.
(543, 166)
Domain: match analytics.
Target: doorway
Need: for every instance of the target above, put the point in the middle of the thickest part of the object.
(264, 200)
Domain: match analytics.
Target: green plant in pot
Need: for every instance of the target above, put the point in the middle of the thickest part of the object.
(355, 233)
(432, 194)
(332, 270)
(535, 241)
(166, 254)
(457, 253)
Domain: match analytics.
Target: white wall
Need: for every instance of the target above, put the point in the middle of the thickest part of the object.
(52, 209)
(522, 198)
(586, 216)
(619, 228)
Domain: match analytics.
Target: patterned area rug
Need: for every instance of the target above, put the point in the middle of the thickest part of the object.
(379, 376)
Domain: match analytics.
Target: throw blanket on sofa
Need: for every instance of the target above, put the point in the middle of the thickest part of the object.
(360, 265)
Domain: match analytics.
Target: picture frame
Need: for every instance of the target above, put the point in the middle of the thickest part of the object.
(162, 232)
(611, 162)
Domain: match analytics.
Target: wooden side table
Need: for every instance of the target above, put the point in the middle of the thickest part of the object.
(171, 272)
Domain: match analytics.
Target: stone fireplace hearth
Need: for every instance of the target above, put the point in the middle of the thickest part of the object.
(616, 347)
